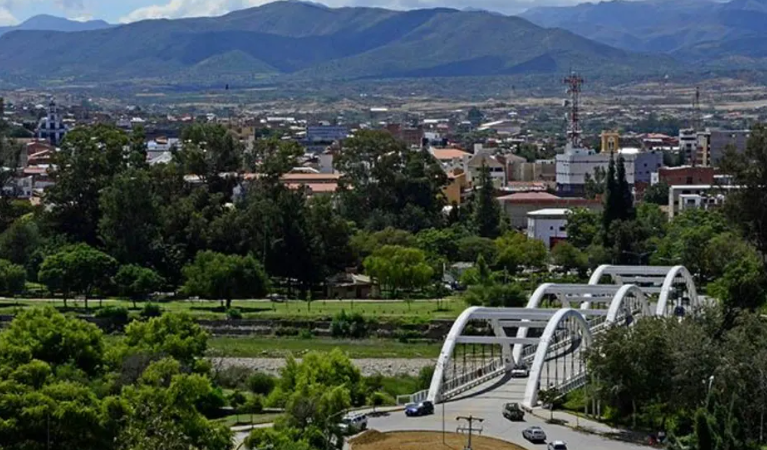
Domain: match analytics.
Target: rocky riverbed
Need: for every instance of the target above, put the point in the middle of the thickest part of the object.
(385, 366)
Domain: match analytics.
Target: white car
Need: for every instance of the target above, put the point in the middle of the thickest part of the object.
(534, 434)
(557, 445)
(353, 423)
(520, 372)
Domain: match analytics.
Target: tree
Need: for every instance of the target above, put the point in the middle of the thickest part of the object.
(567, 256)
(657, 193)
(746, 205)
(19, 242)
(225, 277)
(399, 268)
(487, 211)
(595, 185)
(210, 151)
(88, 159)
(128, 225)
(475, 116)
(743, 285)
(582, 227)
(136, 282)
(161, 411)
(384, 183)
(515, 251)
(174, 335)
(12, 278)
(77, 269)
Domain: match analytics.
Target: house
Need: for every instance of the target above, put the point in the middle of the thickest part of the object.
(349, 286)
(684, 175)
(548, 225)
(484, 159)
(456, 188)
(705, 196)
(451, 158)
(518, 205)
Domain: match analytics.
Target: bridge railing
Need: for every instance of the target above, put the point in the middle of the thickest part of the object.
(418, 397)
(469, 380)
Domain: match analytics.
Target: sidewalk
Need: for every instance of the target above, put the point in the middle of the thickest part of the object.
(584, 425)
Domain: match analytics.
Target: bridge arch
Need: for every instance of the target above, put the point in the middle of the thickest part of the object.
(598, 303)
(664, 308)
(574, 322)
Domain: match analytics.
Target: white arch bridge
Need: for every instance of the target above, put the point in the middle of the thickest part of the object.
(549, 336)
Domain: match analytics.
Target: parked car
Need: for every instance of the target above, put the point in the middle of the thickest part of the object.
(557, 445)
(419, 409)
(353, 423)
(277, 298)
(534, 434)
(520, 372)
(513, 411)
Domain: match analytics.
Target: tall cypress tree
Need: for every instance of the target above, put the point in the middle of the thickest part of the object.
(610, 200)
(625, 208)
(487, 211)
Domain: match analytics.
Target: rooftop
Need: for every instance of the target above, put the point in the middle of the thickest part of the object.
(448, 153)
(558, 212)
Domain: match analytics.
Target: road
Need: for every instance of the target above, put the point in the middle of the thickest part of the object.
(487, 402)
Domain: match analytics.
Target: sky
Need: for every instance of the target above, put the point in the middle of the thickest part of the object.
(124, 11)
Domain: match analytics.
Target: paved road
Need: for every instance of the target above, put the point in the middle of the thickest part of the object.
(486, 402)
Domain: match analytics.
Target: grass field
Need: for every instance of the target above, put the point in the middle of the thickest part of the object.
(418, 440)
(448, 308)
(262, 347)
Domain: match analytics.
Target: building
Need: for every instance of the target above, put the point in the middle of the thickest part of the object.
(610, 141)
(326, 133)
(573, 166)
(51, 128)
(503, 127)
(451, 158)
(482, 159)
(714, 144)
(518, 205)
(548, 225)
(684, 175)
(457, 187)
(681, 198)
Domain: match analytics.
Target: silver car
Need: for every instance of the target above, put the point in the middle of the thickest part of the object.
(534, 434)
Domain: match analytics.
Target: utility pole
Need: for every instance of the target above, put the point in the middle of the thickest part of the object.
(470, 429)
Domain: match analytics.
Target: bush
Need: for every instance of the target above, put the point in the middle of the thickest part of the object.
(253, 405)
(12, 278)
(406, 336)
(286, 331)
(234, 314)
(379, 398)
(261, 383)
(351, 325)
(424, 377)
(210, 405)
(151, 310)
(232, 377)
(117, 316)
(305, 334)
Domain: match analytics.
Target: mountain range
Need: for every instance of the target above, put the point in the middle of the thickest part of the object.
(44, 22)
(300, 41)
(711, 32)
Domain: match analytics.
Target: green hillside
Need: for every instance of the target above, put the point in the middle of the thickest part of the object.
(291, 40)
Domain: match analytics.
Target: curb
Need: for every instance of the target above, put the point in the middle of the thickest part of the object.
(586, 430)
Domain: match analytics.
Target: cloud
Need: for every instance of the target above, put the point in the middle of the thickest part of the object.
(6, 18)
(173, 9)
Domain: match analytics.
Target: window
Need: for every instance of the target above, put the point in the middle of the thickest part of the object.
(551, 228)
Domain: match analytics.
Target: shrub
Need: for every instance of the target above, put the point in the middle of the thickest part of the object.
(232, 377)
(406, 336)
(117, 316)
(305, 333)
(151, 310)
(261, 383)
(211, 403)
(379, 398)
(286, 331)
(253, 405)
(424, 377)
(351, 325)
(234, 314)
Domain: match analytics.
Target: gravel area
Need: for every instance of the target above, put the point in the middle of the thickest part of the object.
(386, 367)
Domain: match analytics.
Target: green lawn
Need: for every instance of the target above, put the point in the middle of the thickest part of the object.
(251, 309)
(263, 347)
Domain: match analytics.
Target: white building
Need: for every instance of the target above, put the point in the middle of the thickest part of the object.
(575, 163)
(702, 196)
(51, 128)
(547, 225)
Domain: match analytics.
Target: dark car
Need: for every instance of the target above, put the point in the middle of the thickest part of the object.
(513, 411)
(419, 409)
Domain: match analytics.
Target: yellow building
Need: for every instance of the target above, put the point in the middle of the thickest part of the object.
(456, 187)
(610, 142)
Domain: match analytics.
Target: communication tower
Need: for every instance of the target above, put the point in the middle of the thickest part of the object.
(574, 83)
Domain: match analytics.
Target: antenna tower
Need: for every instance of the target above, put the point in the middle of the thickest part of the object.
(696, 122)
(574, 84)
